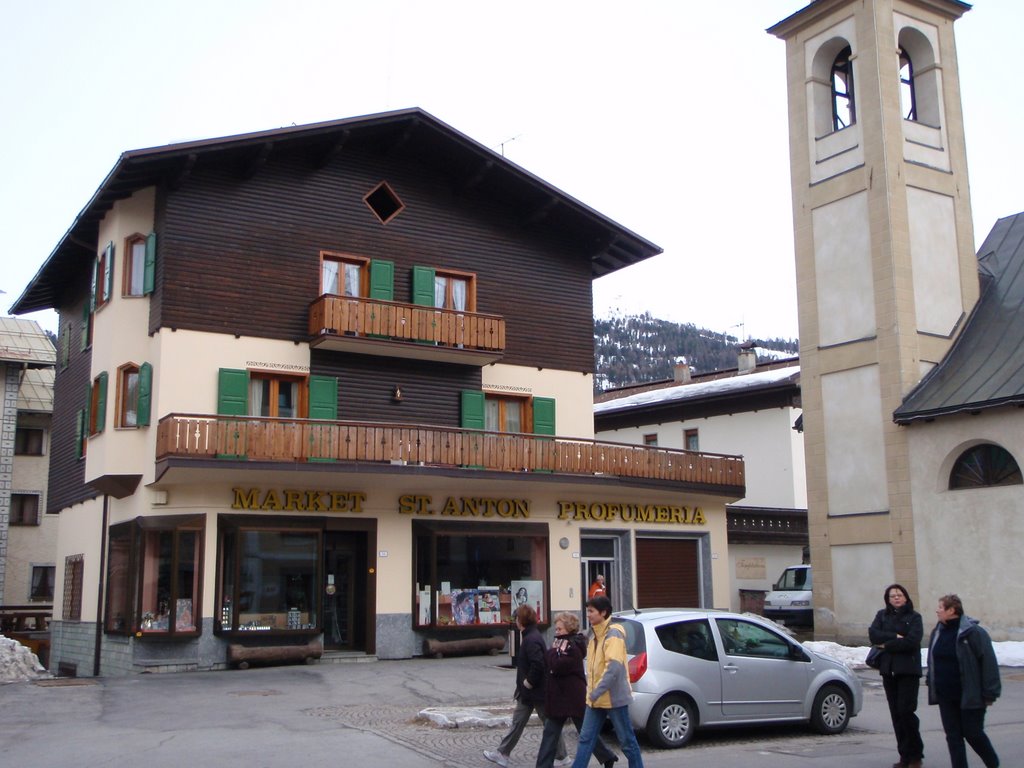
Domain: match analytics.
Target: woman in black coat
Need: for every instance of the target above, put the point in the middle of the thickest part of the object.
(898, 630)
(566, 690)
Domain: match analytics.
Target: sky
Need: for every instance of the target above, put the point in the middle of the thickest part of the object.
(669, 117)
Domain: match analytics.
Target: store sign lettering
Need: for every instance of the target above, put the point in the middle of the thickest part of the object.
(464, 507)
(289, 500)
(630, 513)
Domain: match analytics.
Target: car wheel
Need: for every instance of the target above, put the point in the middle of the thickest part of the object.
(672, 722)
(831, 713)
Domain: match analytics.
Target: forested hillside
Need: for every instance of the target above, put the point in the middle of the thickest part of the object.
(633, 349)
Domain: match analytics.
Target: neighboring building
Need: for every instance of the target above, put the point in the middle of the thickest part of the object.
(888, 295)
(28, 536)
(334, 382)
(752, 411)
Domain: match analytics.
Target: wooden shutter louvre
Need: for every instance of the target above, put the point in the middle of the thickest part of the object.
(144, 404)
(149, 269)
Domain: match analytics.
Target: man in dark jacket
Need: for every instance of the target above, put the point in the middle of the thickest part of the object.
(531, 673)
(963, 679)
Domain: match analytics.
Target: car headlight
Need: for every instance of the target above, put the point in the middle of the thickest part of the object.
(803, 603)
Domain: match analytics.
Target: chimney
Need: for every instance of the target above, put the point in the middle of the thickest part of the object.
(681, 371)
(747, 361)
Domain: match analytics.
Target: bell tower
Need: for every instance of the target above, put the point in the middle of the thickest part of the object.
(886, 272)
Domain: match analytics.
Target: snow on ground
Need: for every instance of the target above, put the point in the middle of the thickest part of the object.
(18, 663)
(1009, 654)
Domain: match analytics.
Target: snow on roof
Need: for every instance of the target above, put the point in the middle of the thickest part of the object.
(699, 389)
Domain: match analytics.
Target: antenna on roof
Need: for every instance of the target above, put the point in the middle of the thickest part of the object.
(508, 141)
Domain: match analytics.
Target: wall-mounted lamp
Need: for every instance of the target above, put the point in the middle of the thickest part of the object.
(396, 396)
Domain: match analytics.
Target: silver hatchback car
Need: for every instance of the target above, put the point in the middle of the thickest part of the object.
(693, 668)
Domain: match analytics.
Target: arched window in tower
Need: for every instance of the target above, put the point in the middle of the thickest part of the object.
(983, 466)
(908, 98)
(843, 112)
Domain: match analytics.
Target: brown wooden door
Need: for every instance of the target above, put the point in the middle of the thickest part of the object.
(667, 573)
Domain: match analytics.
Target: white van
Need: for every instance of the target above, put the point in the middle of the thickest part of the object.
(790, 600)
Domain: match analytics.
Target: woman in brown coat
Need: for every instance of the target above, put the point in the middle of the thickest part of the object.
(565, 693)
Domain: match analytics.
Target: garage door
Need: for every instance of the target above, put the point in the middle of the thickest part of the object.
(667, 573)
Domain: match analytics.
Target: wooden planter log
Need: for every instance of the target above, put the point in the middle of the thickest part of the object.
(441, 648)
(244, 655)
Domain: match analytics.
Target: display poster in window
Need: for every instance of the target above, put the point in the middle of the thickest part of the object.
(183, 621)
(488, 605)
(464, 606)
(424, 606)
(528, 593)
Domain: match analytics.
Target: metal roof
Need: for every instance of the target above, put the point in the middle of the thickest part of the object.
(469, 166)
(23, 341)
(985, 367)
(36, 390)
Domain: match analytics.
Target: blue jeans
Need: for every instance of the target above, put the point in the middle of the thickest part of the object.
(593, 721)
(553, 733)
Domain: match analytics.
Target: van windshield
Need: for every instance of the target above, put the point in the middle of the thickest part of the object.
(795, 578)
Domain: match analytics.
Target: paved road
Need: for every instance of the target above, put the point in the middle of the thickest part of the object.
(366, 714)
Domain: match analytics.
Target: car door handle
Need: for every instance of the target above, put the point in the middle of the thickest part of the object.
(730, 667)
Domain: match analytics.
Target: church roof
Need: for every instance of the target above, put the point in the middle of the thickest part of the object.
(985, 367)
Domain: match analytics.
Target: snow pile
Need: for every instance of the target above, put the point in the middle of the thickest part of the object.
(1009, 653)
(18, 663)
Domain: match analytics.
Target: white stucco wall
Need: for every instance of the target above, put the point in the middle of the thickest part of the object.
(934, 258)
(968, 540)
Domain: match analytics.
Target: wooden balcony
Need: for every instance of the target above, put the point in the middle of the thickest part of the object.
(393, 329)
(234, 438)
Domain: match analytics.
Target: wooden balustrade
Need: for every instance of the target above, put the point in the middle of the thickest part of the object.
(389, 320)
(263, 439)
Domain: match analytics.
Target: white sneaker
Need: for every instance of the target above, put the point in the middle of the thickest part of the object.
(496, 757)
(567, 760)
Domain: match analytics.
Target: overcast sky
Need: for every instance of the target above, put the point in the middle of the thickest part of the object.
(669, 117)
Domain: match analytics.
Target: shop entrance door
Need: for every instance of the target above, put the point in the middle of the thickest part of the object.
(345, 590)
(597, 556)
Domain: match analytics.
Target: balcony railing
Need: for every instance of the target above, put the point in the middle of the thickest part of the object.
(374, 325)
(295, 440)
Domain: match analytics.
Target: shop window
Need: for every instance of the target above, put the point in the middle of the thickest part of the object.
(269, 579)
(28, 441)
(843, 111)
(153, 575)
(74, 570)
(24, 509)
(478, 575)
(691, 440)
(984, 466)
(41, 589)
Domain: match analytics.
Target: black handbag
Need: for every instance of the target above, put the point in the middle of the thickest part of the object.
(874, 657)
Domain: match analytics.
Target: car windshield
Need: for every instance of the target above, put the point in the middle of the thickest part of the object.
(795, 578)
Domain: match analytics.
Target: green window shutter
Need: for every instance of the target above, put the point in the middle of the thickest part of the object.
(233, 392)
(144, 405)
(423, 286)
(149, 270)
(108, 273)
(93, 285)
(86, 319)
(86, 428)
(543, 416)
(101, 402)
(323, 398)
(65, 345)
(472, 413)
(80, 427)
(382, 280)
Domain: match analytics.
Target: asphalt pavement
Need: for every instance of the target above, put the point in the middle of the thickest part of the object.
(373, 714)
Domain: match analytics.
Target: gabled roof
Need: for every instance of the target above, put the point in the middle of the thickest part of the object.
(985, 367)
(23, 341)
(413, 133)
